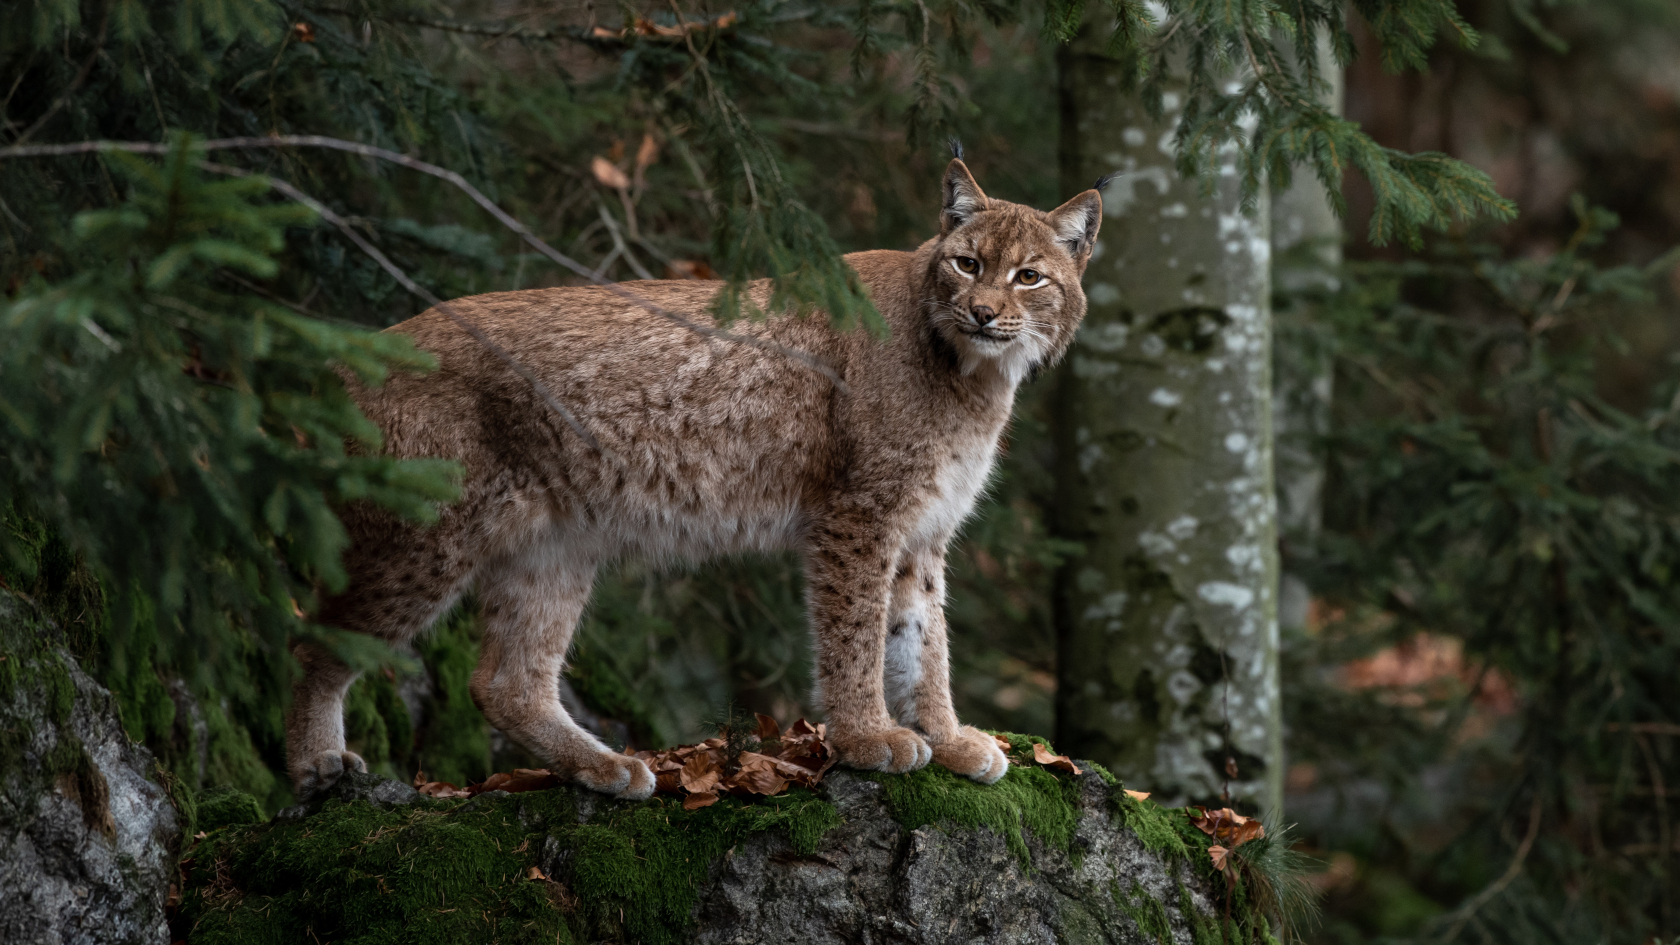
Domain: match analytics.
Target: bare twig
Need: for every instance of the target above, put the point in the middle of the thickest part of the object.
(76, 83)
(1645, 728)
(337, 144)
(1468, 911)
(446, 308)
(618, 243)
(498, 31)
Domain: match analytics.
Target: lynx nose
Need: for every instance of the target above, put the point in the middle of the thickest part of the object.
(983, 314)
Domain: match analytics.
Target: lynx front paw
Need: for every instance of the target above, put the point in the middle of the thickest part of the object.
(323, 771)
(621, 776)
(973, 754)
(893, 750)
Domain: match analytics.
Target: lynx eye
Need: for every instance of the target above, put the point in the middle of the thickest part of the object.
(967, 264)
(1028, 277)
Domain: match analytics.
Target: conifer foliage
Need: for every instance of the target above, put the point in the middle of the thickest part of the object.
(175, 343)
(189, 438)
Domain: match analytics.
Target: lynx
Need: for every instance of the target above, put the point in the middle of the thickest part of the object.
(707, 447)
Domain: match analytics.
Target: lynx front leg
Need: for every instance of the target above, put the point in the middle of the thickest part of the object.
(848, 577)
(530, 606)
(918, 669)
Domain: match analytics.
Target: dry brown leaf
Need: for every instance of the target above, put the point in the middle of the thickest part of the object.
(521, 780)
(437, 788)
(1226, 825)
(303, 32)
(536, 874)
(1219, 855)
(646, 154)
(689, 269)
(701, 774)
(697, 801)
(1003, 743)
(1137, 795)
(758, 774)
(1044, 757)
(608, 174)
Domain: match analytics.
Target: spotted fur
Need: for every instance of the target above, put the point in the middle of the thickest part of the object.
(710, 447)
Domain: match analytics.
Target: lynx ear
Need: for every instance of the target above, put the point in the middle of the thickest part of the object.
(1076, 223)
(963, 197)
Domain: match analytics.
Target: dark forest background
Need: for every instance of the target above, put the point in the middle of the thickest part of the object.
(1481, 717)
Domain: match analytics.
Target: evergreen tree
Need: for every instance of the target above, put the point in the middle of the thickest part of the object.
(659, 141)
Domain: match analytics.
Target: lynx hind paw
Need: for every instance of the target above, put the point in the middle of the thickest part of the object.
(323, 771)
(893, 750)
(617, 775)
(973, 754)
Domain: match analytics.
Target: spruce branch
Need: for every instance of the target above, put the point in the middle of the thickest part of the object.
(419, 291)
(319, 141)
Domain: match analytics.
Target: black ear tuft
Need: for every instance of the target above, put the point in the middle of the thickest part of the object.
(1103, 182)
(956, 147)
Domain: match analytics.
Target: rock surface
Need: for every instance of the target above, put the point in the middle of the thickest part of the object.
(86, 838)
(873, 880)
(595, 870)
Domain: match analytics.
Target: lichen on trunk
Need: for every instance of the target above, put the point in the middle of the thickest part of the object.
(1166, 625)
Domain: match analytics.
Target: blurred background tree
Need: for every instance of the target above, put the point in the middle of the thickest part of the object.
(1479, 730)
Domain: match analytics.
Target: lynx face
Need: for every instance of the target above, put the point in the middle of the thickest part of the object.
(1005, 277)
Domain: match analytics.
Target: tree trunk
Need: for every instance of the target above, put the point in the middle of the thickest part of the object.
(1167, 625)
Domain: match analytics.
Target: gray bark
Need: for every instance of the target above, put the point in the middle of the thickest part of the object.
(85, 835)
(1306, 250)
(1167, 625)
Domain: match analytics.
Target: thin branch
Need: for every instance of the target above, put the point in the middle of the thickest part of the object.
(76, 83)
(1468, 911)
(338, 144)
(450, 26)
(420, 291)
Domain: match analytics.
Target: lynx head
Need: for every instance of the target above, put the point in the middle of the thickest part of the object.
(1003, 280)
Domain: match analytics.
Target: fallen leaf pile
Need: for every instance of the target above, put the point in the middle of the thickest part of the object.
(766, 762)
(1228, 827)
(702, 773)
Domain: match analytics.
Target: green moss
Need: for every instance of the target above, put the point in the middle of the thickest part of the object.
(638, 869)
(430, 873)
(1027, 799)
(1154, 825)
(377, 726)
(455, 745)
(235, 762)
(227, 807)
(458, 872)
(1145, 911)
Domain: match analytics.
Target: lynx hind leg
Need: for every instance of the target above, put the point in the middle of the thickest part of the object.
(315, 753)
(917, 670)
(530, 605)
(392, 595)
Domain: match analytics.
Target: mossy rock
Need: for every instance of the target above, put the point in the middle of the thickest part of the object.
(1039, 857)
(86, 833)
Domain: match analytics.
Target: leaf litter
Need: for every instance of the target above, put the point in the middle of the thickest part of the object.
(770, 760)
(1228, 828)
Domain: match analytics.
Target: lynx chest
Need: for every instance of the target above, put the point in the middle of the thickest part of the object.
(960, 475)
